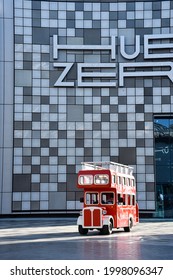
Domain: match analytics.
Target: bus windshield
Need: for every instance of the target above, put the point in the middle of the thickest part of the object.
(107, 198)
(91, 198)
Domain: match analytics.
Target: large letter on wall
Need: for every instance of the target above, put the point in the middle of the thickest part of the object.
(122, 48)
(141, 69)
(158, 46)
(59, 82)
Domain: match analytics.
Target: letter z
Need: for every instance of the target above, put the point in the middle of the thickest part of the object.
(67, 66)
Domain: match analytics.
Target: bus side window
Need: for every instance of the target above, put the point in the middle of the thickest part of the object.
(120, 199)
(124, 200)
(133, 199)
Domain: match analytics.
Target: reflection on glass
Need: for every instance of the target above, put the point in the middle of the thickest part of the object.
(85, 179)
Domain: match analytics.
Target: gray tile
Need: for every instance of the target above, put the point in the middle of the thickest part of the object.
(23, 78)
(57, 200)
(75, 113)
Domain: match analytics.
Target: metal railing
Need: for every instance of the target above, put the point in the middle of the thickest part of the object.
(100, 165)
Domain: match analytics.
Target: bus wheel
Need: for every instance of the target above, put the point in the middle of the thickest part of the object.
(128, 229)
(107, 229)
(82, 230)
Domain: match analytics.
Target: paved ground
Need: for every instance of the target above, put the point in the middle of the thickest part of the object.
(58, 239)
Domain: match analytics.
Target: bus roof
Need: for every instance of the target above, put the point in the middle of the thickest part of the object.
(110, 165)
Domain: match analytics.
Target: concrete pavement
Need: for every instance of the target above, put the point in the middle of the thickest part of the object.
(58, 239)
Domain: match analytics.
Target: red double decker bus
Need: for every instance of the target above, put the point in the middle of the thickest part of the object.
(109, 197)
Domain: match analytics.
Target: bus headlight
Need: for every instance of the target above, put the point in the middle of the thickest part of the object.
(104, 212)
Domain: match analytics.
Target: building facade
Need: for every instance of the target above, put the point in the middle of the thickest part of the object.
(84, 81)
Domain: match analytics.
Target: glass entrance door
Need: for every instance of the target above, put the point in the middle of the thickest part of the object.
(164, 200)
(163, 133)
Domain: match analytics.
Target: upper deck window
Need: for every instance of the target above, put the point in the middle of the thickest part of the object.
(85, 180)
(133, 183)
(101, 179)
(113, 179)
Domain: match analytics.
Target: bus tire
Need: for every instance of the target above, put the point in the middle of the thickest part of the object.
(107, 229)
(82, 231)
(128, 229)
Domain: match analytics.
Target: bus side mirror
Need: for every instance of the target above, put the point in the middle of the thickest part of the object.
(82, 200)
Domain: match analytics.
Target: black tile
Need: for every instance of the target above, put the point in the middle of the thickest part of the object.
(140, 125)
(19, 39)
(88, 151)
(62, 134)
(122, 125)
(26, 160)
(70, 23)
(122, 117)
(27, 125)
(79, 143)
(35, 205)
(105, 143)
(18, 125)
(35, 187)
(40, 35)
(21, 183)
(130, 6)
(79, 6)
(44, 160)
(35, 169)
(36, 151)
(166, 99)
(96, 125)
(127, 155)
(44, 143)
(44, 99)
(140, 142)
(44, 178)
(18, 142)
(27, 91)
(53, 14)
(122, 134)
(71, 169)
(36, 5)
(36, 117)
(139, 108)
(92, 36)
(113, 16)
(53, 125)
(17, 206)
(53, 152)
(88, 109)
